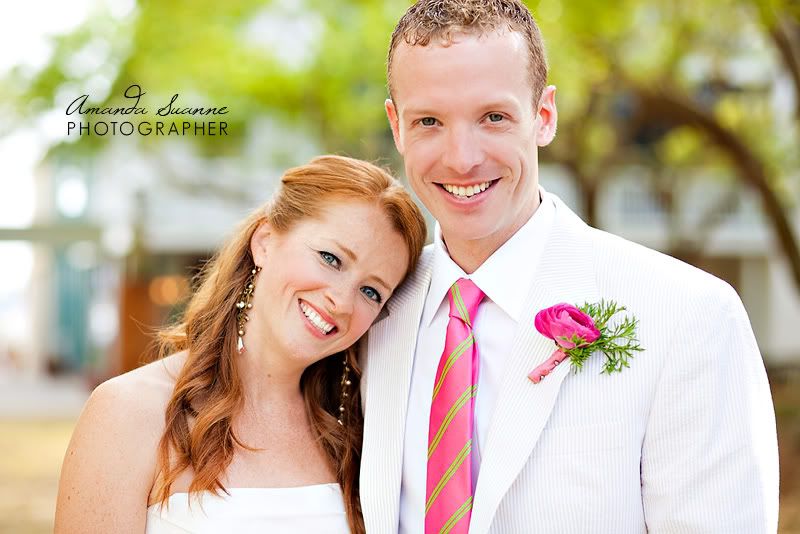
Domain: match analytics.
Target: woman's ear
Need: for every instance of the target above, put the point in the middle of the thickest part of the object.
(259, 243)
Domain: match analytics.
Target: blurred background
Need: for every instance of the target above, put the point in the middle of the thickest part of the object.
(679, 129)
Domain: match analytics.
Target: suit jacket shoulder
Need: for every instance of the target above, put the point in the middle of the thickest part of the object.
(667, 285)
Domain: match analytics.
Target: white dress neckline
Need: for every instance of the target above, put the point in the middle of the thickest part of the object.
(254, 489)
(316, 508)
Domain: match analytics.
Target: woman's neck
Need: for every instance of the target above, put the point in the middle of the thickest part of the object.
(267, 379)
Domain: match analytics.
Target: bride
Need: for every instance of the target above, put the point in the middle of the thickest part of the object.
(253, 423)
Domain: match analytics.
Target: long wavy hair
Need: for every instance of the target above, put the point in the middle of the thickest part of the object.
(208, 391)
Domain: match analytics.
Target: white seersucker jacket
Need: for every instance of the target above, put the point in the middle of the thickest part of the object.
(682, 441)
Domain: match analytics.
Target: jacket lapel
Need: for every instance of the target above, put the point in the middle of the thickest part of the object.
(522, 407)
(385, 387)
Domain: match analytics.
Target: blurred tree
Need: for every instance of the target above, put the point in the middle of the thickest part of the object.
(685, 87)
(681, 87)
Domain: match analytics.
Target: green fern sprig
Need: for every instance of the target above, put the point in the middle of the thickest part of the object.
(617, 343)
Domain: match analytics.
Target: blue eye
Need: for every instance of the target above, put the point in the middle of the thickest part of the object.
(495, 117)
(371, 294)
(330, 259)
(428, 121)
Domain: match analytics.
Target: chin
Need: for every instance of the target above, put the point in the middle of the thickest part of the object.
(463, 230)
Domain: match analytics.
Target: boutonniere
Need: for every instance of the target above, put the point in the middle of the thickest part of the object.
(580, 331)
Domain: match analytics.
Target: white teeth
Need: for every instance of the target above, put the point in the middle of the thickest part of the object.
(466, 192)
(324, 326)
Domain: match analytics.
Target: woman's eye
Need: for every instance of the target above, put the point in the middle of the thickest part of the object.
(495, 117)
(371, 294)
(330, 259)
(428, 121)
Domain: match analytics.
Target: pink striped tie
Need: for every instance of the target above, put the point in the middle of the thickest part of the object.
(448, 505)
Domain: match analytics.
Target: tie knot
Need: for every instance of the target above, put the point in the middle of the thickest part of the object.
(464, 298)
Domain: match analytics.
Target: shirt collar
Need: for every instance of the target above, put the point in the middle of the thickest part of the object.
(506, 276)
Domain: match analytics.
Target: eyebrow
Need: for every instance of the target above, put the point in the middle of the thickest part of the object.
(354, 258)
(500, 103)
(420, 111)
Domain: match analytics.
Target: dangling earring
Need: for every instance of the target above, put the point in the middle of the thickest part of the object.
(243, 305)
(345, 382)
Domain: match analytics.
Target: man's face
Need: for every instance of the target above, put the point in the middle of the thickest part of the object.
(467, 125)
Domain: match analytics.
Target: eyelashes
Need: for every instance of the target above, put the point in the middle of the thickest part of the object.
(330, 258)
(372, 294)
(493, 117)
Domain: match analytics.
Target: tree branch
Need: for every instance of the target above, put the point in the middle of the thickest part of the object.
(786, 34)
(679, 110)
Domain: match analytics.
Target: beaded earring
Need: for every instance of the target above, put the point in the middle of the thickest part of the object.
(243, 304)
(345, 383)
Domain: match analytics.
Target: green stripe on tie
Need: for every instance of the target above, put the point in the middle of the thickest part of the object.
(459, 459)
(459, 302)
(460, 402)
(456, 517)
(451, 360)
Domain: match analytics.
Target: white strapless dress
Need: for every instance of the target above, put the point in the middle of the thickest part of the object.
(314, 509)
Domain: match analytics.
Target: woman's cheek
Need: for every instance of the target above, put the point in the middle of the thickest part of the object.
(363, 316)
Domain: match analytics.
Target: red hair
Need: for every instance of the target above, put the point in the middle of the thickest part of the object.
(208, 392)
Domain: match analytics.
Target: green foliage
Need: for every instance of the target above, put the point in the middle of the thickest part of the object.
(617, 342)
(598, 53)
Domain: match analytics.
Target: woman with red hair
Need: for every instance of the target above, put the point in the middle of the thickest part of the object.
(251, 422)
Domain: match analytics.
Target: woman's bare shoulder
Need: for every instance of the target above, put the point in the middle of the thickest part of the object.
(133, 404)
(141, 395)
(149, 386)
(113, 451)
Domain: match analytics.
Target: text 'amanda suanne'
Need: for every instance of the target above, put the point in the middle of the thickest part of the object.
(173, 110)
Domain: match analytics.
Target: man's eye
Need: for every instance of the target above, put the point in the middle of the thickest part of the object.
(371, 294)
(330, 259)
(495, 117)
(428, 121)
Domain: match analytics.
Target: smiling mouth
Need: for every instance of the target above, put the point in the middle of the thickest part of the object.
(462, 193)
(316, 320)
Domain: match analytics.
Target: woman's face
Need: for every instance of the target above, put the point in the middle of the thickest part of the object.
(324, 281)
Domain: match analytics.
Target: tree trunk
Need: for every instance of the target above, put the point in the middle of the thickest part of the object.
(677, 110)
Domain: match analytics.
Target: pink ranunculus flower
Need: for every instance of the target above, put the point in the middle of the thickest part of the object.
(563, 323)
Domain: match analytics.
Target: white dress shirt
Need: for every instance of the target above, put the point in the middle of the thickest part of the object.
(505, 278)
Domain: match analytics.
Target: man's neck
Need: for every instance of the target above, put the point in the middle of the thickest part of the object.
(471, 254)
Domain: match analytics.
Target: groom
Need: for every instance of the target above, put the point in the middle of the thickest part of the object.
(458, 438)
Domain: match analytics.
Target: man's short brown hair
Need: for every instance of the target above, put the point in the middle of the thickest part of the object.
(441, 19)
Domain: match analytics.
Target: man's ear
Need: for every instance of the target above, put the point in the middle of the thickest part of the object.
(259, 243)
(394, 122)
(547, 116)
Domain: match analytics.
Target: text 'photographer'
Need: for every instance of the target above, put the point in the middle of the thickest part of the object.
(144, 127)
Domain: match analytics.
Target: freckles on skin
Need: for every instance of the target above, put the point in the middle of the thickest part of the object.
(334, 291)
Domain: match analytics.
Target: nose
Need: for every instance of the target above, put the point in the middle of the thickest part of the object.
(339, 299)
(463, 151)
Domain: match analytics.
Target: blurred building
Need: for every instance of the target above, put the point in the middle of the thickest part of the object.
(115, 241)
(115, 254)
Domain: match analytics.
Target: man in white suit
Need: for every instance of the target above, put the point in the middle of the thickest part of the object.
(681, 441)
